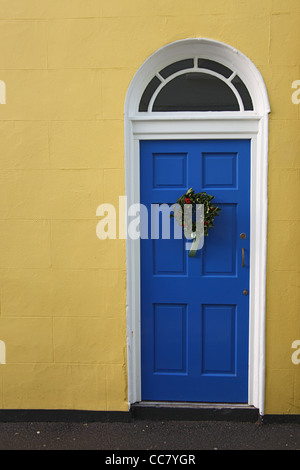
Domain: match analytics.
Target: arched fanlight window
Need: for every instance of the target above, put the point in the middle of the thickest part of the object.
(196, 85)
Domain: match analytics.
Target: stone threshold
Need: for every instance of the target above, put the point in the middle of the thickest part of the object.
(194, 411)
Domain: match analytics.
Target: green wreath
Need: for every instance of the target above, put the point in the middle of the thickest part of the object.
(210, 210)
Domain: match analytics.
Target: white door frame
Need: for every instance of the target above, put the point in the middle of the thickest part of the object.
(202, 125)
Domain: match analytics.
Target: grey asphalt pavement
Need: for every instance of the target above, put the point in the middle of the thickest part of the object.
(149, 435)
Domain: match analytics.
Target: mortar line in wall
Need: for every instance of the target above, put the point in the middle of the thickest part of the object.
(118, 17)
(285, 271)
(77, 317)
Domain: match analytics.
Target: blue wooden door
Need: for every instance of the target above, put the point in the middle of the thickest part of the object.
(194, 310)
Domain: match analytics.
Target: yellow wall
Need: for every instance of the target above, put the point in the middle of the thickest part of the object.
(67, 65)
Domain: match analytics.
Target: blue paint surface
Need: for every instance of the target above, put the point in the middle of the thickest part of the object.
(194, 315)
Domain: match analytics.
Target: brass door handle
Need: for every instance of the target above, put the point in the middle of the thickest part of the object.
(243, 257)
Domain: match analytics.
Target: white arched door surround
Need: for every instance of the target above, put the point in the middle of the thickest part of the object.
(250, 124)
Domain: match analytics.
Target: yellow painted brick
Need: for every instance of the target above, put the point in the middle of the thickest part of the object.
(54, 194)
(286, 6)
(75, 43)
(115, 84)
(285, 38)
(24, 145)
(24, 244)
(87, 144)
(34, 344)
(24, 194)
(49, 8)
(117, 257)
(89, 340)
(96, 8)
(51, 95)
(228, 29)
(127, 43)
(280, 335)
(74, 193)
(54, 292)
(75, 245)
(114, 186)
(297, 276)
(279, 392)
(104, 42)
(283, 245)
(54, 386)
(177, 8)
(281, 298)
(24, 44)
(284, 144)
(115, 292)
(50, 194)
(35, 292)
(78, 293)
(279, 86)
(284, 194)
(116, 379)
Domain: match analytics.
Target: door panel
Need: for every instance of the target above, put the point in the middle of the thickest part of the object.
(170, 342)
(219, 344)
(194, 315)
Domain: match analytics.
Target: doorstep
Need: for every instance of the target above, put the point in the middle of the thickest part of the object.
(187, 411)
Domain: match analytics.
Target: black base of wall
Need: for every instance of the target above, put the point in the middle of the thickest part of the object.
(144, 412)
(65, 416)
(281, 419)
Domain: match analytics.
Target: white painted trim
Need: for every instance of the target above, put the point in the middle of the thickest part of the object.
(192, 123)
(213, 125)
(206, 49)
